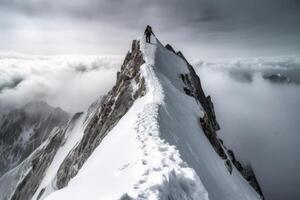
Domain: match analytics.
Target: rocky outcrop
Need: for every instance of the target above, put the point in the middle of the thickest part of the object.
(246, 171)
(277, 78)
(170, 48)
(249, 175)
(39, 162)
(102, 116)
(23, 130)
(21, 182)
(199, 94)
(129, 86)
(209, 122)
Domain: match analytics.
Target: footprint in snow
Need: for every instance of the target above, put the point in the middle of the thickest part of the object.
(163, 148)
(124, 167)
(144, 162)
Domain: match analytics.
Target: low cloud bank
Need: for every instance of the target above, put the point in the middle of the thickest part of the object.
(69, 82)
(259, 119)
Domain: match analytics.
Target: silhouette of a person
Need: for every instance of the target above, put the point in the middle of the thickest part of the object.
(148, 33)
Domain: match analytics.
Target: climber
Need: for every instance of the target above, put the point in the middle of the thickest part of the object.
(148, 33)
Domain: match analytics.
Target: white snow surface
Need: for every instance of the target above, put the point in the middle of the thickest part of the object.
(73, 135)
(158, 149)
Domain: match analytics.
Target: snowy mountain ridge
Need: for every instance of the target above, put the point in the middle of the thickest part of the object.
(153, 136)
(24, 129)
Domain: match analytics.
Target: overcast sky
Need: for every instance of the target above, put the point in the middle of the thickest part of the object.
(200, 28)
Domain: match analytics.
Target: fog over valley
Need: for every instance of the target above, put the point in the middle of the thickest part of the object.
(258, 116)
(69, 82)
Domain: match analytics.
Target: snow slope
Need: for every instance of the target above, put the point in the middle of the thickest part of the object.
(157, 150)
(267, 133)
(73, 135)
(179, 123)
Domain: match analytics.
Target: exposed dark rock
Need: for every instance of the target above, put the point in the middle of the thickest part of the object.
(112, 108)
(228, 166)
(221, 141)
(212, 136)
(210, 125)
(126, 197)
(40, 161)
(188, 89)
(40, 194)
(29, 174)
(23, 130)
(103, 116)
(209, 122)
(170, 48)
(200, 95)
(236, 163)
(277, 78)
(248, 173)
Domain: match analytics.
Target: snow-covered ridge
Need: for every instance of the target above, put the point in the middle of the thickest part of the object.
(157, 150)
(159, 173)
(23, 130)
(153, 136)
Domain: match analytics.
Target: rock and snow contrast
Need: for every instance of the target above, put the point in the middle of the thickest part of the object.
(153, 136)
(23, 130)
(259, 118)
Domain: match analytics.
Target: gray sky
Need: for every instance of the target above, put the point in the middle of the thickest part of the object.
(200, 28)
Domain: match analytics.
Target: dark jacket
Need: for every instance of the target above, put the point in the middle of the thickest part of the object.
(148, 31)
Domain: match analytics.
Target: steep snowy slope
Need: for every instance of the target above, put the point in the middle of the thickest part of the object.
(22, 130)
(152, 137)
(263, 126)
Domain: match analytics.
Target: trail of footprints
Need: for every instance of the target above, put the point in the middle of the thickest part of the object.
(158, 156)
(160, 160)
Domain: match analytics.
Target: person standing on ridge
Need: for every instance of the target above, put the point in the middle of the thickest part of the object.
(148, 33)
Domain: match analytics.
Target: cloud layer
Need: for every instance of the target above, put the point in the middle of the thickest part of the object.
(259, 119)
(69, 82)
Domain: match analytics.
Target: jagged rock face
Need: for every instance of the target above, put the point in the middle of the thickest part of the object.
(102, 117)
(129, 86)
(209, 122)
(23, 130)
(40, 161)
(246, 171)
(249, 175)
(21, 182)
(210, 125)
(200, 95)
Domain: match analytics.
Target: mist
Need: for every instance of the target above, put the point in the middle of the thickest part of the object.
(69, 82)
(259, 119)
